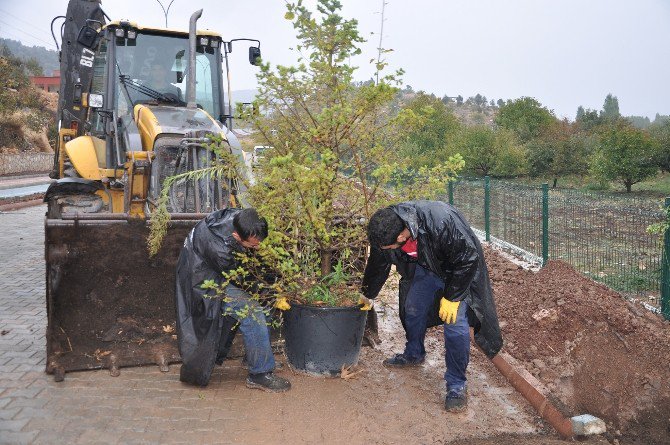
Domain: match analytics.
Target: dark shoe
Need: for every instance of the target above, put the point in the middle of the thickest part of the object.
(401, 360)
(268, 382)
(456, 401)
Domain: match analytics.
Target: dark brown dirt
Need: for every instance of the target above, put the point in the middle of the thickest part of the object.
(596, 352)
(107, 300)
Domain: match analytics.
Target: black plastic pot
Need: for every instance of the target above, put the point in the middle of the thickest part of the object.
(320, 340)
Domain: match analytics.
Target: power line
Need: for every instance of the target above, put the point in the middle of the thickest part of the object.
(26, 22)
(27, 33)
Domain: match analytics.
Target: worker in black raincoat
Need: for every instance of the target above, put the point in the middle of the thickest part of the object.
(205, 322)
(443, 280)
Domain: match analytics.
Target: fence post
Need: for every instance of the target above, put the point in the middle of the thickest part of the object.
(487, 207)
(450, 188)
(665, 271)
(545, 223)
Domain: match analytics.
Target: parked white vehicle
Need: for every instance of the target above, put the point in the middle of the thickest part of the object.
(258, 153)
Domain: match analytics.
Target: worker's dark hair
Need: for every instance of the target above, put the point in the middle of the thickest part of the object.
(248, 223)
(384, 227)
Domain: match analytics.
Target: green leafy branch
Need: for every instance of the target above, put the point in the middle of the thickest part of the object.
(227, 166)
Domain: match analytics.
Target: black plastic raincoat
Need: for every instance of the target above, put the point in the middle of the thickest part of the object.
(203, 333)
(448, 247)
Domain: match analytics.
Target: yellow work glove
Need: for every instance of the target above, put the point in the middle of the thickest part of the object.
(281, 303)
(448, 310)
(366, 303)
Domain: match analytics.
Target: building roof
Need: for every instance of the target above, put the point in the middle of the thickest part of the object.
(45, 80)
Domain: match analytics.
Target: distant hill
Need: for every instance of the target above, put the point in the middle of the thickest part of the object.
(47, 58)
(243, 96)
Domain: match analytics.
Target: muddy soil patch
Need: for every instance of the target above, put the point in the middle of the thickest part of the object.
(108, 302)
(595, 351)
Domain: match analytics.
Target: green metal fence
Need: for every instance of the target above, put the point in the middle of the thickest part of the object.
(603, 235)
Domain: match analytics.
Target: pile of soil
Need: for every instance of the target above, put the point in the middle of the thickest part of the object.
(594, 351)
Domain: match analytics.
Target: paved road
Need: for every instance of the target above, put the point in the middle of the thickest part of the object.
(23, 191)
(144, 405)
(7, 182)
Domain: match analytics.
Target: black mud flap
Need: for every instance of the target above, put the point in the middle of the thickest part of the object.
(71, 186)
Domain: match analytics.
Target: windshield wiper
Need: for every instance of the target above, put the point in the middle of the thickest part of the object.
(130, 83)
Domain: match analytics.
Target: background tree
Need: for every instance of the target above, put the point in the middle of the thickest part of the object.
(610, 108)
(459, 100)
(488, 151)
(561, 150)
(588, 120)
(642, 122)
(33, 67)
(526, 117)
(659, 118)
(624, 154)
(433, 127)
(660, 132)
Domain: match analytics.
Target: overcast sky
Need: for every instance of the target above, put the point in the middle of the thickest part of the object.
(563, 53)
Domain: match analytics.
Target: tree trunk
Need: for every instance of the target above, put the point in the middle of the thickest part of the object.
(629, 185)
(326, 260)
(555, 183)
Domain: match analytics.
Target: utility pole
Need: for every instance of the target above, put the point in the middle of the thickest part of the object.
(381, 37)
(165, 11)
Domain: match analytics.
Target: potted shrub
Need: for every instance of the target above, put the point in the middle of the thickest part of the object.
(330, 161)
(331, 164)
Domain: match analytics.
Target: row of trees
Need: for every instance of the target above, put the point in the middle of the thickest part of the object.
(526, 138)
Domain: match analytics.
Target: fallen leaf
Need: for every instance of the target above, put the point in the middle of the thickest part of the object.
(98, 354)
(168, 329)
(348, 372)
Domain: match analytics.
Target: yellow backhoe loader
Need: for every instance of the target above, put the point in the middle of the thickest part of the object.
(137, 105)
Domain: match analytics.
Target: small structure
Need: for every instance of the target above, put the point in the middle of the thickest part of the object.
(47, 83)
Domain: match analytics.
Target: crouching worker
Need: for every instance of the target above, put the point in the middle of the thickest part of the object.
(203, 331)
(443, 280)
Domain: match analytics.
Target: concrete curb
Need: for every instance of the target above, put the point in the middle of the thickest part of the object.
(20, 205)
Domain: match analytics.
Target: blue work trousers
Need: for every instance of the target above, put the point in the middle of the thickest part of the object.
(419, 302)
(254, 329)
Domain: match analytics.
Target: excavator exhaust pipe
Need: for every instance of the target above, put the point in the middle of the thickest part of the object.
(190, 87)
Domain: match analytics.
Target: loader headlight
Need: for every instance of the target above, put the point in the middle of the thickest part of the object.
(204, 41)
(120, 32)
(214, 43)
(95, 100)
(132, 34)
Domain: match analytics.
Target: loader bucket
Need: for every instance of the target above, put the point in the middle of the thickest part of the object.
(108, 304)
